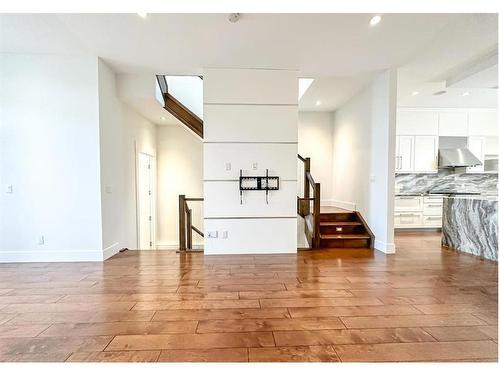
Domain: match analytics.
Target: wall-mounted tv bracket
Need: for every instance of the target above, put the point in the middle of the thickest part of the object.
(258, 183)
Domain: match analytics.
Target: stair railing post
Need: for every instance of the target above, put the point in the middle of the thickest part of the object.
(307, 187)
(189, 231)
(316, 213)
(182, 223)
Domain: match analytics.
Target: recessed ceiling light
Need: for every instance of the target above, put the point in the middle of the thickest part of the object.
(415, 93)
(466, 93)
(375, 20)
(142, 15)
(318, 102)
(162, 118)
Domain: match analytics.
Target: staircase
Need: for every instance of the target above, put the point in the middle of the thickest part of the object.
(344, 230)
(328, 227)
(178, 109)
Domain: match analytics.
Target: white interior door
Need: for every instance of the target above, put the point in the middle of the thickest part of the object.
(146, 203)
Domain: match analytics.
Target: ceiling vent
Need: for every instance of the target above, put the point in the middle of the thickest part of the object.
(234, 17)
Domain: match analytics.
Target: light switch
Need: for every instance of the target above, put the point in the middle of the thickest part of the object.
(41, 240)
(372, 178)
(228, 166)
(255, 166)
(10, 189)
(224, 234)
(108, 190)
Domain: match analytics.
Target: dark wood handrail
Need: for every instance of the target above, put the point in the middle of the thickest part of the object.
(304, 206)
(186, 227)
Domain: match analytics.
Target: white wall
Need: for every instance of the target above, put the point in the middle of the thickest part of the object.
(49, 141)
(316, 142)
(363, 149)
(123, 133)
(64, 138)
(250, 124)
(179, 171)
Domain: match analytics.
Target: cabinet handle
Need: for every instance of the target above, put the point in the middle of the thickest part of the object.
(434, 205)
(408, 198)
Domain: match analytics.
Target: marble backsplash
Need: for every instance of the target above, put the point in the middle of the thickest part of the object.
(419, 183)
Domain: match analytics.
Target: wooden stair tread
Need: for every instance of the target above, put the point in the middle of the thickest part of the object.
(340, 223)
(345, 236)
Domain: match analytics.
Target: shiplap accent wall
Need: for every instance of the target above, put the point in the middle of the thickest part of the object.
(250, 116)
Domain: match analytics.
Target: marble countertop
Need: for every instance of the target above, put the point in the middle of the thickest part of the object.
(474, 197)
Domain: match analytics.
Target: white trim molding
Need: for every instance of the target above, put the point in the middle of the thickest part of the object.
(109, 251)
(387, 248)
(51, 256)
(175, 246)
(341, 204)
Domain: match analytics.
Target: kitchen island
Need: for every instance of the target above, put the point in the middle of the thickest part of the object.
(470, 225)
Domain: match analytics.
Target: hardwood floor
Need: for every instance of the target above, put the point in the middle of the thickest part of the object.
(424, 303)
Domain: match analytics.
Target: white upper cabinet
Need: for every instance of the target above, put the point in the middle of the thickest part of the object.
(426, 153)
(483, 122)
(404, 153)
(416, 122)
(453, 124)
(477, 147)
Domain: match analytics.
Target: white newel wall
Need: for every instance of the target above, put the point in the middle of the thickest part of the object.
(250, 123)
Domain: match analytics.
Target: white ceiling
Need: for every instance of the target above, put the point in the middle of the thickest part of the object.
(341, 51)
(471, 39)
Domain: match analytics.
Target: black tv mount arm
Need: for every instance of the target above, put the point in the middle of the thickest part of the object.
(258, 183)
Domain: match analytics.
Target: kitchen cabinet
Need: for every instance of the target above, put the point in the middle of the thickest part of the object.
(404, 153)
(408, 203)
(416, 153)
(453, 124)
(407, 220)
(418, 211)
(477, 147)
(425, 154)
(483, 122)
(417, 122)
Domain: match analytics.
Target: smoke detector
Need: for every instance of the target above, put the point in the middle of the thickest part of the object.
(234, 17)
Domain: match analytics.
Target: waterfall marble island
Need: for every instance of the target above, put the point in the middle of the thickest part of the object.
(470, 225)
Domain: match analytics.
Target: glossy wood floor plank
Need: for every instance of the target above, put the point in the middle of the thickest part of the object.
(437, 351)
(205, 355)
(351, 336)
(294, 354)
(192, 341)
(424, 303)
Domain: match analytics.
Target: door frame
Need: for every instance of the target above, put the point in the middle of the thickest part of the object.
(138, 200)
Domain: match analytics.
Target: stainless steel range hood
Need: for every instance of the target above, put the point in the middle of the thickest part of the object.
(457, 157)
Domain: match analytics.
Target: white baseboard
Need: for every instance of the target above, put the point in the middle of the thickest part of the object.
(387, 248)
(110, 251)
(250, 252)
(175, 246)
(341, 204)
(51, 256)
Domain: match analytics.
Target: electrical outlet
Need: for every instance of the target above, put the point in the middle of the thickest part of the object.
(228, 166)
(224, 234)
(213, 234)
(108, 189)
(41, 240)
(255, 166)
